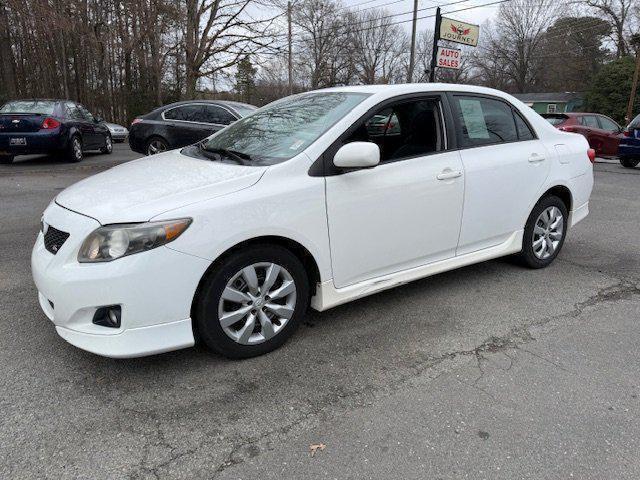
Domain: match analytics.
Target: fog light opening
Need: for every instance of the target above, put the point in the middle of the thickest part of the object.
(109, 316)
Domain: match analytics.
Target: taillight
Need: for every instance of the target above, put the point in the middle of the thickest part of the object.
(50, 123)
(566, 129)
(591, 153)
(136, 120)
(627, 133)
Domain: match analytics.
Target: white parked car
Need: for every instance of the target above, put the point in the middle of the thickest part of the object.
(230, 240)
(118, 133)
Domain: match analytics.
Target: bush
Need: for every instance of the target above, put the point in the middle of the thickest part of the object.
(610, 89)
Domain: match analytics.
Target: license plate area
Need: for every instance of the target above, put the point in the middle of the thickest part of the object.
(21, 141)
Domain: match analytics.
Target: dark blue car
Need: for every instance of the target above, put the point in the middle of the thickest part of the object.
(629, 148)
(56, 127)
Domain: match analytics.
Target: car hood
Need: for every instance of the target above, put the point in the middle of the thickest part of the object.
(142, 189)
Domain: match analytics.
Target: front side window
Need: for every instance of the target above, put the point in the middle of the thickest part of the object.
(217, 115)
(41, 107)
(283, 129)
(403, 130)
(484, 121)
(609, 125)
(185, 113)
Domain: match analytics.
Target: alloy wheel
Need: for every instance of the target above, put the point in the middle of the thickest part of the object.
(257, 303)
(77, 149)
(156, 146)
(547, 232)
(108, 144)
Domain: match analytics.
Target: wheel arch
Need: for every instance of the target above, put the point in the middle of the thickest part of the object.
(563, 193)
(308, 261)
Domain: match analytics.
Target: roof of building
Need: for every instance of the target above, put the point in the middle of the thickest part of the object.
(549, 97)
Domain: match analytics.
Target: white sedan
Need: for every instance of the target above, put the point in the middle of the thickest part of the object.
(230, 241)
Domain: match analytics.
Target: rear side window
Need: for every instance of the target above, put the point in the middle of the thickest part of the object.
(483, 121)
(185, 113)
(524, 131)
(217, 115)
(42, 107)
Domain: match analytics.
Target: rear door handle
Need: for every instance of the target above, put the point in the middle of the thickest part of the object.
(448, 174)
(536, 158)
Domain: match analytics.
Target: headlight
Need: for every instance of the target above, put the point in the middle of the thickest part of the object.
(115, 241)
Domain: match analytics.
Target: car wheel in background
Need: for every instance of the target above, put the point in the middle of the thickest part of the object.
(544, 232)
(108, 145)
(629, 162)
(6, 159)
(74, 150)
(156, 145)
(252, 302)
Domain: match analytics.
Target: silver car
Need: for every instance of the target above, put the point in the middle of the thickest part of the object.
(118, 132)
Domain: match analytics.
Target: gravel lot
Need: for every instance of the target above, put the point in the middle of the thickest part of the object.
(491, 371)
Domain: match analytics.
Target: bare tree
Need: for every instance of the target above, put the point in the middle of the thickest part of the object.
(617, 13)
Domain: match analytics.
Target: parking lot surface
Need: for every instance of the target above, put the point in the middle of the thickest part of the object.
(491, 371)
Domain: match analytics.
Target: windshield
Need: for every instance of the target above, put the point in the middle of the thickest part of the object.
(283, 129)
(42, 107)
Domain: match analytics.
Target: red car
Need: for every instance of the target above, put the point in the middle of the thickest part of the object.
(602, 133)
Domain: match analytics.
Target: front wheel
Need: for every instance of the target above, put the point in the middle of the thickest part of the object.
(156, 145)
(108, 145)
(544, 232)
(252, 302)
(629, 162)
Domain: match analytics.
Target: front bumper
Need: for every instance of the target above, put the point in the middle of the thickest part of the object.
(155, 290)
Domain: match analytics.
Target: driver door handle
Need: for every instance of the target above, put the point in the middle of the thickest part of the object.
(448, 174)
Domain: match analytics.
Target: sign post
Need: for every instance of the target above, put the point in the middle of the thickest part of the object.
(452, 31)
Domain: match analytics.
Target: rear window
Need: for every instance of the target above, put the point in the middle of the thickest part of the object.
(635, 123)
(42, 107)
(555, 120)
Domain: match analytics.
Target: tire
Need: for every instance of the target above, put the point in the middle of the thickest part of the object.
(536, 254)
(74, 152)
(629, 162)
(6, 159)
(246, 337)
(108, 145)
(156, 145)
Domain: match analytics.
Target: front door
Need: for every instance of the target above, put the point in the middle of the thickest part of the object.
(505, 166)
(406, 211)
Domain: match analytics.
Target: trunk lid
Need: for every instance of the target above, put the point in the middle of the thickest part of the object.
(21, 123)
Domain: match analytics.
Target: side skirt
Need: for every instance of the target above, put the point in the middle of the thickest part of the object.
(327, 296)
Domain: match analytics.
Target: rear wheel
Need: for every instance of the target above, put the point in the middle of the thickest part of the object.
(252, 302)
(6, 159)
(74, 150)
(108, 145)
(544, 232)
(156, 145)
(629, 162)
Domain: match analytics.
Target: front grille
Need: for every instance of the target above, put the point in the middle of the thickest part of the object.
(54, 239)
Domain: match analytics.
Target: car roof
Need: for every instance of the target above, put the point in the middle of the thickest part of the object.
(224, 103)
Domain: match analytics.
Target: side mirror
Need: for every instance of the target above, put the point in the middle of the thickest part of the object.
(98, 119)
(357, 155)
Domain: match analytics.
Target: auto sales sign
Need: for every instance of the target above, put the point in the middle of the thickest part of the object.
(459, 32)
(448, 58)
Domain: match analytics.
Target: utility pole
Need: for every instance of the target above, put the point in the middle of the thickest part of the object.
(413, 42)
(634, 85)
(290, 59)
(434, 51)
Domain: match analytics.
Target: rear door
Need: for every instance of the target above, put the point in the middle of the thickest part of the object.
(505, 166)
(91, 128)
(78, 120)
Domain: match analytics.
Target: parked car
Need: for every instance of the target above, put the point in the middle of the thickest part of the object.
(629, 150)
(183, 123)
(56, 127)
(118, 132)
(229, 240)
(602, 133)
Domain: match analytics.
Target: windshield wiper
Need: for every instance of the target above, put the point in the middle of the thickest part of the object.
(239, 157)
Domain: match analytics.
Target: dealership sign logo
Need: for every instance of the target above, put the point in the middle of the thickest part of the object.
(459, 32)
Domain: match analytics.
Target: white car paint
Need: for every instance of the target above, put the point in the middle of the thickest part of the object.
(367, 230)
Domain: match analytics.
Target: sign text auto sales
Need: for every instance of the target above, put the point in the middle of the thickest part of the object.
(449, 58)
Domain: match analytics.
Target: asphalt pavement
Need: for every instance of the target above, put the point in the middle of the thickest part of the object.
(488, 372)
